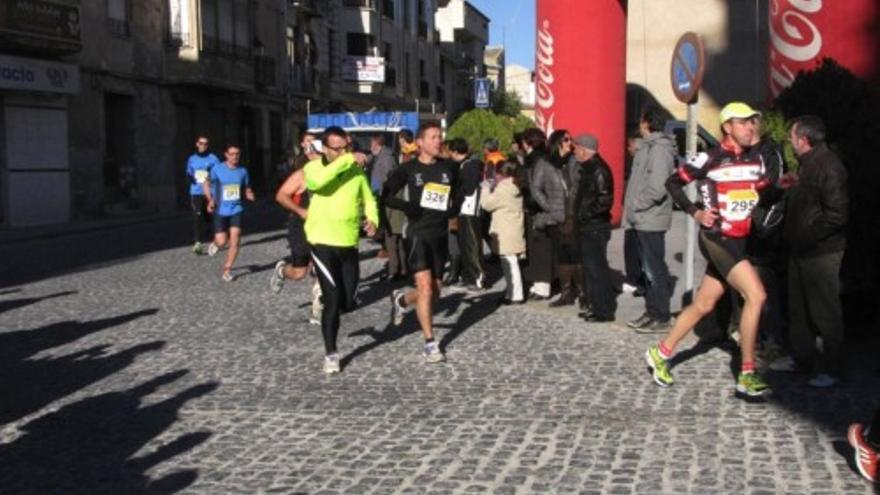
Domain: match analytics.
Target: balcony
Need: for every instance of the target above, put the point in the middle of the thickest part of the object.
(302, 79)
(41, 26)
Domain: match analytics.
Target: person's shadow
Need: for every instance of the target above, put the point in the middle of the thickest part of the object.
(27, 301)
(89, 446)
(28, 383)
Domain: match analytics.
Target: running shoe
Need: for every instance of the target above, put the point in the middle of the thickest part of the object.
(640, 321)
(397, 309)
(197, 248)
(276, 281)
(864, 455)
(317, 306)
(751, 385)
(331, 364)
(227, 277)
(432, 353)
(659, 367)
(212, 249)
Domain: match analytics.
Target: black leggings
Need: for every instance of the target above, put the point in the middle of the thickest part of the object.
(338, 273)
(470, 243)
(202, 229)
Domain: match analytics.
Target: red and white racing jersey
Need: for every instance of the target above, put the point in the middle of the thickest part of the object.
(729, 183)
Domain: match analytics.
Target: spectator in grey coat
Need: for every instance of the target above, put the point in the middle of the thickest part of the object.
(545, 204)
(648, 209)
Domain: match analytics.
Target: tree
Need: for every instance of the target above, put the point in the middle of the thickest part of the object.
(475, 126)
(506, 103)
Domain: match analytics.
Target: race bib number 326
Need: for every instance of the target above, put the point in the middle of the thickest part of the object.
(435, 196)
(231, 192)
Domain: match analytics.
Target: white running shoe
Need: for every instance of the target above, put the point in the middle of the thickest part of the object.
(432, 353)
(628, 288)
(212, 249)
(331, 364)
(276, 281)
(397, 309)
(197, 248)
(227, 277)
(317, 306)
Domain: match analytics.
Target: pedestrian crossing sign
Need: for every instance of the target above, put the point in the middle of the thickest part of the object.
(481, 90)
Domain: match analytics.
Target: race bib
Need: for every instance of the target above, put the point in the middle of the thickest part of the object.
(201, 176)
(740, 203)
(231, 192)
(435, 196)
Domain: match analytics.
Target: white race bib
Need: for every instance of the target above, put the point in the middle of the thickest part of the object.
(435, 196)
(201, 176)
(739, 203)
(231, 192)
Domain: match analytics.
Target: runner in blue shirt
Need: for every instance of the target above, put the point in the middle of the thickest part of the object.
(223, 188)
(198, 166)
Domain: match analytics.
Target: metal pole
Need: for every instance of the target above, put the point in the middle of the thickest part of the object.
(691, 151)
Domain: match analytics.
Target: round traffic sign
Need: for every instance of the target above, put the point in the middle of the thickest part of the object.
(688, 64)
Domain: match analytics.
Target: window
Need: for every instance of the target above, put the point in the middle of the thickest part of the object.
(117, 18)
(367, 4)
(179, 23)
(388, 9)
(225, 26)
(360, 44)
(291, 45)
(242, 30)
(209, 24)
(331, 52)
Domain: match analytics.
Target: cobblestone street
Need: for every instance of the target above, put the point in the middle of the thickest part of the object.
(143, 372)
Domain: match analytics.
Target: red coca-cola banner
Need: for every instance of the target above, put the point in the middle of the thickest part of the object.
(803, 32)
(580, 75)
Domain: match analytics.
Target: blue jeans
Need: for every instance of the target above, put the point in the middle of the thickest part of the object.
(658, 289)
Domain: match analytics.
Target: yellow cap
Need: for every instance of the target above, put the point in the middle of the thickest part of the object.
(737, 110)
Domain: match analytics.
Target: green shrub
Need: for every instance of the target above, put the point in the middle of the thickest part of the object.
(475, 126)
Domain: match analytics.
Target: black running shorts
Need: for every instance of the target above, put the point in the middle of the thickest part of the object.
(427, 253)
(222, 224)
(300, 253)
(721, 253)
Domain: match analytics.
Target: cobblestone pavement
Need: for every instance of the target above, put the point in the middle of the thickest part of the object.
(150, 375)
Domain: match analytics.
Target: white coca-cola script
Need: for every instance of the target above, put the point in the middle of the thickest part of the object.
(795, 40)
(544, 98)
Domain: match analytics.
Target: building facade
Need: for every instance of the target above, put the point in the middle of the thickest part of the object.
(101, 102)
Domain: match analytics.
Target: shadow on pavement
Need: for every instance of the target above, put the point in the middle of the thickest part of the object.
(28, 384)
(264, 240)
(94, 445)
(27, 301)
(30, 260)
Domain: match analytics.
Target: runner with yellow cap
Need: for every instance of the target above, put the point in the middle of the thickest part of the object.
(728, 180)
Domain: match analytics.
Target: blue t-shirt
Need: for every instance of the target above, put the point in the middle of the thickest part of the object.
(197, 169)
(228, 186)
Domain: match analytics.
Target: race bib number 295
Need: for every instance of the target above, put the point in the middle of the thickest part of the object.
(435, 196)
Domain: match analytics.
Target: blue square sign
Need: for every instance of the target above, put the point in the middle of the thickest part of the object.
(481, 93)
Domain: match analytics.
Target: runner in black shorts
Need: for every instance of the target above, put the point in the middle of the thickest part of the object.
(729, 179)
(429, 189)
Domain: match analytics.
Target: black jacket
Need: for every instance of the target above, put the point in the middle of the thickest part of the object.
(817, 206)
(595, 195)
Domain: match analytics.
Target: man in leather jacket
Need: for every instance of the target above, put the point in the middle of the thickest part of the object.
(593, 201)
(815, 222)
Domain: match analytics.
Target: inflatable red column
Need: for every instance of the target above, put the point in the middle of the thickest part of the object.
(580, 75)
(803, 32)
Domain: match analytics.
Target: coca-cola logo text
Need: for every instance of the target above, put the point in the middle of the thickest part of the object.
(544, 97)
(795, 40)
